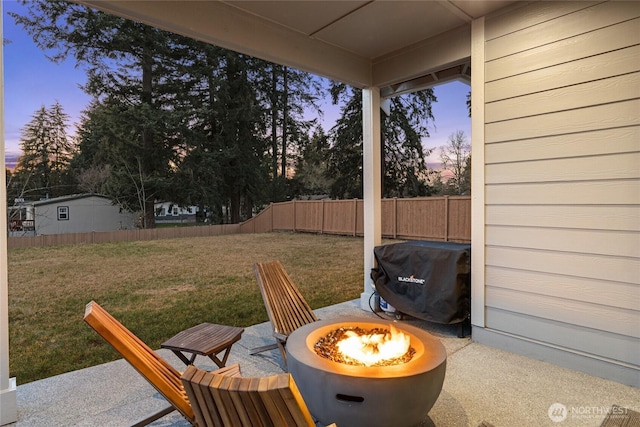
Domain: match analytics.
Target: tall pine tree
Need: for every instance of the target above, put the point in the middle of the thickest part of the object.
(42, 170)
(404, 166)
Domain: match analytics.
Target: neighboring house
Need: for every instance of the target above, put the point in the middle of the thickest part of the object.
(20, 219)
(171, 213)
(78, 213)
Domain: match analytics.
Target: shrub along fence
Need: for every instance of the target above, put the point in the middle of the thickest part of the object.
(445, 218)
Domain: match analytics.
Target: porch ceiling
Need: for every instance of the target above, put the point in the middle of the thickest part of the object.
(397, 45)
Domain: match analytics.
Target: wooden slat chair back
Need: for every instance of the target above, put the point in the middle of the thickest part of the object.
(218, 401)
(164, 377)
(286, 307)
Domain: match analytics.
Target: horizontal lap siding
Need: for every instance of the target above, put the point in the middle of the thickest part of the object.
(611, 90)
(580, 265)
(562, 177)
(614, 218)
(616, 347)
(618, 141)
(623, 192)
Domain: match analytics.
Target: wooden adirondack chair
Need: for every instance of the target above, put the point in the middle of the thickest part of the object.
(220, 401)
(158, 372)
(286, 307)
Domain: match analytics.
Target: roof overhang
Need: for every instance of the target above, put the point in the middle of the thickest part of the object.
(398, 46)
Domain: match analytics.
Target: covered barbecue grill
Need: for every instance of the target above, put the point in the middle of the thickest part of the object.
(426, 279)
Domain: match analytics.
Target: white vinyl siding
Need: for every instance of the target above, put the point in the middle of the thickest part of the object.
(82, 214)
(562, 178)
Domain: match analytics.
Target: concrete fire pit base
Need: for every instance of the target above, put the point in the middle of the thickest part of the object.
(354, 396)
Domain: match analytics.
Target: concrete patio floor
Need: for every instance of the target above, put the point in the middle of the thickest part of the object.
(482, 384)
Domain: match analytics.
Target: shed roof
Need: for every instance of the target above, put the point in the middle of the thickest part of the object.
(62, 199)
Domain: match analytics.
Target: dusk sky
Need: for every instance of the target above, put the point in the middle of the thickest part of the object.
(32, 81)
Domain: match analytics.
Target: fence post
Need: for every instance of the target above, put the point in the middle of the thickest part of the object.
(446, 218)
(395, 217)
(294, 215)
(322, 216)
(355, 217)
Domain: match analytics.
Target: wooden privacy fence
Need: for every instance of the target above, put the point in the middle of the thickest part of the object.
(122, 235)
(445, 218)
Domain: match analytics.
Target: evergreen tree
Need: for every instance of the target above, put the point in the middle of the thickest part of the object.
(300, 93)
(465, 181)
(107, 159)
(345, 155)
(311, 167)
(197, 178)
(404, 166)
(42, 170)
(221, 167)
(288, 94)
(241, 146)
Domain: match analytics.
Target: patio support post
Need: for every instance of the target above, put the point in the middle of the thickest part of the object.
(477, 175)
(371, 182)
(8, 409)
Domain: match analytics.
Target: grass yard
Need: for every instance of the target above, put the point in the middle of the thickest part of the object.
(158, 288)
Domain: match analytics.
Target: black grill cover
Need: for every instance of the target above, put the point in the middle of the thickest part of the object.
(424, 279)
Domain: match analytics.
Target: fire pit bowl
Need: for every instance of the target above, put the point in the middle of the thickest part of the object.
(352, 396)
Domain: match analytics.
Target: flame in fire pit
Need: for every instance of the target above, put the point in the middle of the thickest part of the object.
(374, 348)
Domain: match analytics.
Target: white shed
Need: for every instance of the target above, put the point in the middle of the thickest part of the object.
(80, 213)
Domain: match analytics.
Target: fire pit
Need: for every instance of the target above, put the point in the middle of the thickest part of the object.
(349, 395)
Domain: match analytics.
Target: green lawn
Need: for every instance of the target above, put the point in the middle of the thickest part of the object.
(158, 288)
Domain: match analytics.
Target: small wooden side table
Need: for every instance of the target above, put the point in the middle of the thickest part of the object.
(206, 339)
